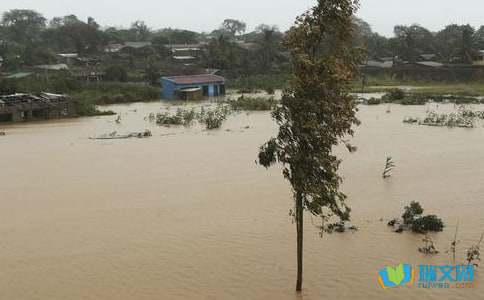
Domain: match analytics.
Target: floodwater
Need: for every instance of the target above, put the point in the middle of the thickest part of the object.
(187, 214)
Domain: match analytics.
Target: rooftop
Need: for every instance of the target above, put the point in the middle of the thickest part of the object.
(432, 64)
(195, 79)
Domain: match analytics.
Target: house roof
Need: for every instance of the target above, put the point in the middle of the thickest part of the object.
(56, 67)
(18, 75)
(378, 64)
(432, 64)
(195, 79)
(184, 57)
(428, 56)
(137, 45)
(184, 46)
(68, 55)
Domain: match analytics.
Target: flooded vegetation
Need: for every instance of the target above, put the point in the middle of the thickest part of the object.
(150, 218)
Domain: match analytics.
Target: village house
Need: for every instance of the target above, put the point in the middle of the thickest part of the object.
(189, 87)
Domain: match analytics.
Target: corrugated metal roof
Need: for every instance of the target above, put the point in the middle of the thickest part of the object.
(432, 64)
(18, 75)
(56, 67)
(195, 79)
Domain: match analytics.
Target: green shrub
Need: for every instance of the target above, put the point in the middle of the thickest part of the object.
(414, 100)
(373, 101)
(214, 118)
(181, 117)
(411, 212)
(394, 95)
(253, 103)
(427, 223)
(413, 220)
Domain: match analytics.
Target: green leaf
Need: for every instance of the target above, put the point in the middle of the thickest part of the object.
(396, 275)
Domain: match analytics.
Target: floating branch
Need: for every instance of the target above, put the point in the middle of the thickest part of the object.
(389, 166)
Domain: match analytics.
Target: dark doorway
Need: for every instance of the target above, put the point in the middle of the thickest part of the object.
(205, 90)
(222, 89)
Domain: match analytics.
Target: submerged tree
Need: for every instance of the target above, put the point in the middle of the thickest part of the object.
(315, 113)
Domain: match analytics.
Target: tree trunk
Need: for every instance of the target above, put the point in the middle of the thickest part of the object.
(299, 229)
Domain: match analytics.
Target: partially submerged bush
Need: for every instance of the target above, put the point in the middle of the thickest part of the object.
(411, 213)
(427, 223)
(414, 100)
(429, 247)
(339, 227)
(214, 118)
(394, 95)
(181, 117)
(373, 101)
(253, 103)
(412, 219)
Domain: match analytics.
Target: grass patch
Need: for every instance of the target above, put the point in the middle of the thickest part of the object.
(114, 92)
(253, 83)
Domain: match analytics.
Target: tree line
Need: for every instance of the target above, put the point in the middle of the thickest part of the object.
(27, 38)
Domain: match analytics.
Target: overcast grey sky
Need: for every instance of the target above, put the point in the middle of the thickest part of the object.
(205, 15)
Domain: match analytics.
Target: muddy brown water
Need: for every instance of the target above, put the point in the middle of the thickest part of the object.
(187, 214)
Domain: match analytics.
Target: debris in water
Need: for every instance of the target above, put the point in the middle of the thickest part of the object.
(389, 165)
(474, 253)
(118, 119)
(340, 227)
(429, 247)
(2, 133)
(453, 244)
(410, 120)
(114, 135)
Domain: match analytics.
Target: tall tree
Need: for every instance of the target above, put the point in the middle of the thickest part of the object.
(269, 47)
(23, 26)
(71, 34)
(456, 43)
(234, 26)
(141, 31)
(315, 113)
(479, 38)
(412, 41)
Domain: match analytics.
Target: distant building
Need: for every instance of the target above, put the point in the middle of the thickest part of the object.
(379, 64)
(24, 107)
(479, 57)
(67, 58)
(427, 57)
(209, 85)
(429, 64)
(56, 67)
(115, 48)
